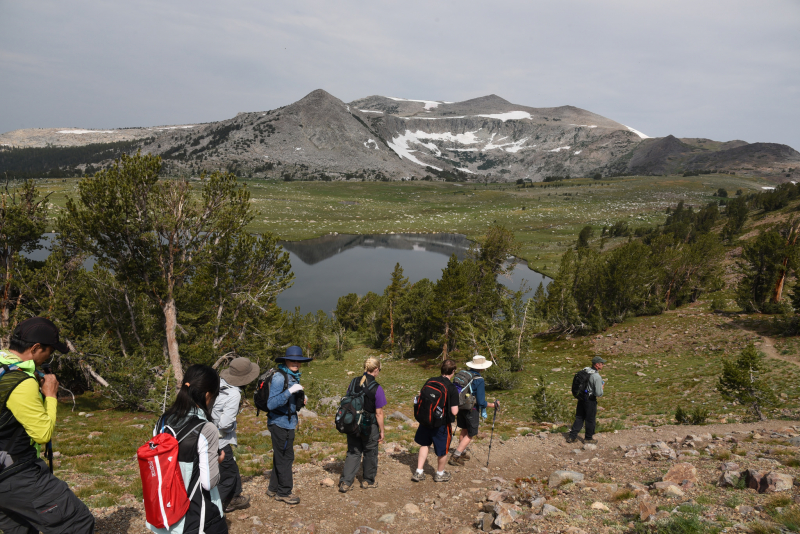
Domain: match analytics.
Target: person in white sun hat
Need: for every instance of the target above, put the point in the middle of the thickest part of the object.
(469, 420)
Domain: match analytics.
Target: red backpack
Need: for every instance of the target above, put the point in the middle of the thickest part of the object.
(165, 498)
(430, 407)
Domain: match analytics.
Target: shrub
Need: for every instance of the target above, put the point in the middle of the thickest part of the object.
(681, 417)
(698, 416)
(547, 406)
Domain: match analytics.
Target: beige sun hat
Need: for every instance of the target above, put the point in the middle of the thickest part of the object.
(240, 372)
(479, 362)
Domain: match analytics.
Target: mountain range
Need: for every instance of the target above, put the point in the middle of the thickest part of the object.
(377, 137)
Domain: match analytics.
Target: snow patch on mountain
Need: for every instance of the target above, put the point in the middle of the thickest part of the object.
(509, 116)
(81, 132)
(637, 132)
(400, 145)
(429, 104)
(559, 149)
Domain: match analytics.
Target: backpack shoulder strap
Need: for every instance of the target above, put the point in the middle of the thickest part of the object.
(192, 426)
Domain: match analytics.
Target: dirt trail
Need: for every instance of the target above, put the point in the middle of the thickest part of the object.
(400, 505)
(767, 346)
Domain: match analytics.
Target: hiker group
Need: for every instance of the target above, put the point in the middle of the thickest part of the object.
(190, 477)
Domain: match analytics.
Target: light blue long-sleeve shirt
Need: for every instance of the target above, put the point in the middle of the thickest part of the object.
(281, 403)
(224, 413)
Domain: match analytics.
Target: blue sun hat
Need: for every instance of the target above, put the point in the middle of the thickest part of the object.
(293, 353)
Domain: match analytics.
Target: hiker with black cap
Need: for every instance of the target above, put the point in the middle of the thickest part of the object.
(586, 412)
(239, 373)
(31, 498)
(286, 397)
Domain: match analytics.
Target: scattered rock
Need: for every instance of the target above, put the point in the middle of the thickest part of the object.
(81, 414)
(729, 479)
(729, 466)
(331, 402)
(366, 529)
(646, 510)
(560, 477)
(575, 530)
(495, 496)
(600, 506)
(256, 521)
(774, 482)
(56, 454)
(394, 448)
(549, 509)
(265, 433)
(681, 473)
(537, 504)
(88, 415)
(327, 482)
(590, 447)
(744, 509)
(305, 412)
(411, 508)
(400, 415)
(639, 373)
(304, 446)
(93, 435)
(673, 492)
(386, 518)
(485, 522)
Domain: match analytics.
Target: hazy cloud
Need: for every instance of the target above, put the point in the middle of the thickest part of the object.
(718, 69)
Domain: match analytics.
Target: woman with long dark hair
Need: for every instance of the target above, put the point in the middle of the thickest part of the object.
(189, 418)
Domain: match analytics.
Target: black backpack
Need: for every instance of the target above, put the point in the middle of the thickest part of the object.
(463, 383)
(350, 415)
(580, 384)
(261, 396)
(431, 407)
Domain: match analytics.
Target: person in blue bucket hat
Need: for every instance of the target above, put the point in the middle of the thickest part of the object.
(286, 397)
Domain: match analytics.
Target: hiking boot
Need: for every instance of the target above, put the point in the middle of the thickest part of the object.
(444, 477)
(343, 487)
(238, 503)
(457, 461)
(289, 499)
(570, 439)
(270, 493)
(368, 485)
(465, 455)
(418, 477)
(590, 440)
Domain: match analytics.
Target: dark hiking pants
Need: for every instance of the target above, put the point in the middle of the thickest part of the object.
(282, 459)
(33, 500)
(230, 481)
(358, 446)
(586, 412)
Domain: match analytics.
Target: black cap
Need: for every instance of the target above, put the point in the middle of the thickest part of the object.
(40, 330)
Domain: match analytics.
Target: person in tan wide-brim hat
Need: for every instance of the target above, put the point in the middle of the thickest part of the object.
(469, 420)
(239, 373)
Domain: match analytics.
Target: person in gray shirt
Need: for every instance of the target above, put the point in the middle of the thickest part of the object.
(586, 411)
(239, 373)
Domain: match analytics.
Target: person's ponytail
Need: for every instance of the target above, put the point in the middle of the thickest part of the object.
(198, 381)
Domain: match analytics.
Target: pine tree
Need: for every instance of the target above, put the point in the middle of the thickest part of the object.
(742, 381)
(450, 303)
(394, 292)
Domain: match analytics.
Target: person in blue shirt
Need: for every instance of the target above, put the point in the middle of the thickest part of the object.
(286, 397)
(469, 420)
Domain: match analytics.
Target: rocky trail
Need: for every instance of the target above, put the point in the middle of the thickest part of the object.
(536, 482)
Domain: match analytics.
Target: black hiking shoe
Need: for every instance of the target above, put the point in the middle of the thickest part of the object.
(344, 487)
(238, 503)
(570, 439)
(457, 461)
(590, 440)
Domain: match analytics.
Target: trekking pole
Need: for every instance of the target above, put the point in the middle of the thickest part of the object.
(494, 417)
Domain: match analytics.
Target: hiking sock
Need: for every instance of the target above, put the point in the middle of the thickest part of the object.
(456, 453)
(419, 471)
(439, 473)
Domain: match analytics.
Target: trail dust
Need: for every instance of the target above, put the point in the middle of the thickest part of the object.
(400, 505)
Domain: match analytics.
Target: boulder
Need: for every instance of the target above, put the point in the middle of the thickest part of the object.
(485, 522)
(537, 504)
(752, 479)
(646, 510)
(774, 482)
(549, 509)
(331, 402)
(729, 479)
(590, 447)
(400, 415)
(600, 506)
(495, 496)
(663, 454)
(305, 412)
(558, 478)
(673, 492)
(681, 473)
(386, 518)
(729, 466)
(327, 482)
(506, 514)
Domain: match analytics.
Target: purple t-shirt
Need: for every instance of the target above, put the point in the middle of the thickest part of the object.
(380, 398)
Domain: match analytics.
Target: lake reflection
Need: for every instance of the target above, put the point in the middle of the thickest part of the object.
(331, 266)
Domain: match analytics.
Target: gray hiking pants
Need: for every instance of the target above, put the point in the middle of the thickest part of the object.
(230, 481)
(358, 446)
(33, 500)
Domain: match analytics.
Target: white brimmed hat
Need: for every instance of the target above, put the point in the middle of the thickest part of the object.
(479, 362)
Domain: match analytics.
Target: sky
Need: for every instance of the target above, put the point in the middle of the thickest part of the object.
(720, 69)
